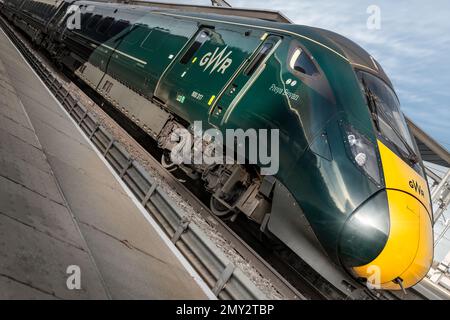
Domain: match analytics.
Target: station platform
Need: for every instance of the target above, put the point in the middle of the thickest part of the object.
(62, 208)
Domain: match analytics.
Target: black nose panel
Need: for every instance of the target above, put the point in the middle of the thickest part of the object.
(366, 232)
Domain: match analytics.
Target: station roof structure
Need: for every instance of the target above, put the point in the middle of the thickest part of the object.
(431, 150)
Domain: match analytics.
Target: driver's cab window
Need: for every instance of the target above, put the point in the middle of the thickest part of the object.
(300, 62)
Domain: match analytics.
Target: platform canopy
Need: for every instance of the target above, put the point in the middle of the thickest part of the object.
(431, 150)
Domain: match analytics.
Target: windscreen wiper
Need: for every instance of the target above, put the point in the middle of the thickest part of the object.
(373, 105)
(412, 156)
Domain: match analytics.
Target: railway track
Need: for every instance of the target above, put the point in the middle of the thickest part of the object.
(297, 287)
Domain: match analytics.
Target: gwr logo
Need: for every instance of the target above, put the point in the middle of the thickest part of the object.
(218, 60)
(415, 185)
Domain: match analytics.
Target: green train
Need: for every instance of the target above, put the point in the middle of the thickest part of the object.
(350, 196)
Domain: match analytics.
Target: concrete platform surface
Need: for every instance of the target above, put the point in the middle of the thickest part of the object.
(61, 206)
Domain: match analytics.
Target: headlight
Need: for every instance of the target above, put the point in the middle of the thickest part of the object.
(363, 153)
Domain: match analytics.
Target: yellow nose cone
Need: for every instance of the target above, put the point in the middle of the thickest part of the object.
(408, 253)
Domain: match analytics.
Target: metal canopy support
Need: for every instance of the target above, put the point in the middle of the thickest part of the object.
(442, 270)
(440, 196)
(442, 234)
(436, 179)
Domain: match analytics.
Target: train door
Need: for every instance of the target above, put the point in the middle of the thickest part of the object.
(201, 71)
(242, 81)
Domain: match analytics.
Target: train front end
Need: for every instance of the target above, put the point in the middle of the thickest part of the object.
(388, 240)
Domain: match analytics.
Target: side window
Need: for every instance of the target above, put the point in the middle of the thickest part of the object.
(259, 58)
(200, 39)
(118, 27)
(137, 34)
(93, 22)
(153, 40)
(300, 61)
(84, 20)
(105, 25)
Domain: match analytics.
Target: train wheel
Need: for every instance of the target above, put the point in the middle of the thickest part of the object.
(167, 163)
(219, 209)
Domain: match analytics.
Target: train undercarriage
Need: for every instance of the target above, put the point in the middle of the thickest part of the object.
(235, 188)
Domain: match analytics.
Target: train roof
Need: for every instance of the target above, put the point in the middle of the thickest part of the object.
(355, 54)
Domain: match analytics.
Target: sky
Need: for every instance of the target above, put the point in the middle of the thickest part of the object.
(412, 45)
